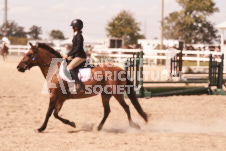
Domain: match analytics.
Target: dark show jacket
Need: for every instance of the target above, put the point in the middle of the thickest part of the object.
(77, 46)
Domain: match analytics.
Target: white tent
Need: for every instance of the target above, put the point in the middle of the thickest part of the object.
(222, 26)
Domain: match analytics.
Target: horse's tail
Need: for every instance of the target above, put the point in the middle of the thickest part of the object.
(133, 98)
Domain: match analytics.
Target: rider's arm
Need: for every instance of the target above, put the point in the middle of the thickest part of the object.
(77, 45)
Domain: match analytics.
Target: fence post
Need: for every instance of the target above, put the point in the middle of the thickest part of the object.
(198, 59)
(220, 73)
(137, 58)
(120, 54)
(210, 70)
(141, 74)
(180, 64)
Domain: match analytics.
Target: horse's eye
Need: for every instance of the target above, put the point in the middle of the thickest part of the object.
(29, 55)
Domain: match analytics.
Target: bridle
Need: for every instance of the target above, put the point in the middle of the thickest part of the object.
(33, 57)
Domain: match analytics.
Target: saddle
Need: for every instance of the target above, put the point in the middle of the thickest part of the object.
(84, 73)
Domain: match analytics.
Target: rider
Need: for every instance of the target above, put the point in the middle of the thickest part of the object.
(5, 41)
(77, 53)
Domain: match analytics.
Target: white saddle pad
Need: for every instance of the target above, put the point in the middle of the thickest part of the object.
(84, 74)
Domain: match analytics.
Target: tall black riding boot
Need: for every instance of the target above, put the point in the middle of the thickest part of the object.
(79, 84)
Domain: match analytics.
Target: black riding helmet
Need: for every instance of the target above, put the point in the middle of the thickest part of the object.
(77, 23)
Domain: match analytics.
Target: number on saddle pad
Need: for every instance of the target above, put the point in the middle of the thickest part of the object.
(84, 73)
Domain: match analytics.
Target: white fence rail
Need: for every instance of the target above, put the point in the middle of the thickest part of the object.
(21, 49)
(18, 49)
(122, 54)
(154, 55)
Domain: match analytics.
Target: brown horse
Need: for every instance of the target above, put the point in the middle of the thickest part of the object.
(4, 51)
(42, 56)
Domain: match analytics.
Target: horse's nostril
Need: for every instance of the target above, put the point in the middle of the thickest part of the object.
(21, 69)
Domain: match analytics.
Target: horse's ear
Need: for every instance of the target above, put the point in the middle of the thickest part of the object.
(33, 48)
(30, 44)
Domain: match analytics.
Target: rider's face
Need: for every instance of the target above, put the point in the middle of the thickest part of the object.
(74, 29)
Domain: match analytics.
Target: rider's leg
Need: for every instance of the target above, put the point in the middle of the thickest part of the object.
(74, 72)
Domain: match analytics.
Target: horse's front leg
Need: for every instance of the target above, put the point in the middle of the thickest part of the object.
(48, 114)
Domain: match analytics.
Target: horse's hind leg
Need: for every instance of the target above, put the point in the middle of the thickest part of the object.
(120, 99)
(65, 121)
(105, 101)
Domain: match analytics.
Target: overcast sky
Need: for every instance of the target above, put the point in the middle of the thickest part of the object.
(57, 14)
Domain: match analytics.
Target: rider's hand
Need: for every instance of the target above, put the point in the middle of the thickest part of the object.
(65, 56)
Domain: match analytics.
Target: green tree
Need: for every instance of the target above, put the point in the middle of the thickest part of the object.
(124, 26)
(56, 34)
(190, 24)
(19, 32)
(13, 30)
(34, 32)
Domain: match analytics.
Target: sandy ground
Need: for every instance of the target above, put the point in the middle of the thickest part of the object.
(176, 123)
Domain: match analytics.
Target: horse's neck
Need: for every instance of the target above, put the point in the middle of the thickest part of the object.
(48, 70)
(44, 70)
(45, 59)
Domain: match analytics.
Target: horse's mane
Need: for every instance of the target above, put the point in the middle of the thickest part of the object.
(50, 49)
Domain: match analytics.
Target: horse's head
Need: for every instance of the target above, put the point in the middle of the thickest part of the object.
(29, 60)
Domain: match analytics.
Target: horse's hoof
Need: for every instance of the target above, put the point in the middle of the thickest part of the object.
(99, 128)
(73, 124)
(38, 131)
(134, 125)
